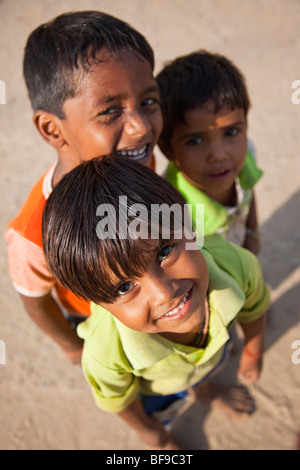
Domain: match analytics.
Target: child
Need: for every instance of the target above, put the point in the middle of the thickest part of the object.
(72, 68)
(205, 104)
(161, 311)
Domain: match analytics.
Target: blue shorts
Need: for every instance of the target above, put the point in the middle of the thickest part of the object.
(154, 403)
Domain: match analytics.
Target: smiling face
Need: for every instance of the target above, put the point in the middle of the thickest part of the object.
(169, 297)
(152, 282)
(115, 111)
(210, 149)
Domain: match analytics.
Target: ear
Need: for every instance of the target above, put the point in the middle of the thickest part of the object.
(48, 125)
(165, 149)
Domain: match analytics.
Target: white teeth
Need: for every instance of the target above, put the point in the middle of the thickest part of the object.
(133, 153)
(176, 310)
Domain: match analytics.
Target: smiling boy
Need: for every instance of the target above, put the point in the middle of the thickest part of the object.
(109, 116)
(90, 82)
(162, 313)
(205, 105)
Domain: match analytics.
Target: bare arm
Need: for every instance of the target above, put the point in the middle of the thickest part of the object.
(252, 241)
(48, 317)
(251, 358)
(148, 428)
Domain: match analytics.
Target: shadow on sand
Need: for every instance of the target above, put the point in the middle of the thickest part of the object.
(280, 257)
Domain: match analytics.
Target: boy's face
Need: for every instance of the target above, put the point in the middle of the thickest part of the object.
(170, 296)
(210, 148)
(116, 110)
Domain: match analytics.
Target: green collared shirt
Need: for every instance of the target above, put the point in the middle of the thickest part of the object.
(119, 362)
(217, 217)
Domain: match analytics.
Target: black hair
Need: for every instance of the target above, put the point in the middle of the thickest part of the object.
(55, 51)
(190, 81)
(79, 257)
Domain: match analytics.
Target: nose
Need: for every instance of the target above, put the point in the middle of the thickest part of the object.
(217, 151)
(159, 287)
(137, 125)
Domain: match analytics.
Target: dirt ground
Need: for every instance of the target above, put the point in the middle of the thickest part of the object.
(45, 403)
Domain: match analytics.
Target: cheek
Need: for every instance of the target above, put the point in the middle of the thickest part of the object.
(241, 152)
(190, 162)
(99, 143)
(156, 121)
(131, 314)
(195, 267)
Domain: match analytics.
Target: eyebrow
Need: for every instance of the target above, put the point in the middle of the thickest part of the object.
(106, 99)
(196, 133)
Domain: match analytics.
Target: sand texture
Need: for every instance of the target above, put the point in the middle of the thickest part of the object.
(45, 403)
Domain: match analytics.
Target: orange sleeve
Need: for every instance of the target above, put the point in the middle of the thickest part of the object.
(27, 265)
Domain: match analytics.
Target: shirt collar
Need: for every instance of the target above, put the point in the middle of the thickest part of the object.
(47, 183)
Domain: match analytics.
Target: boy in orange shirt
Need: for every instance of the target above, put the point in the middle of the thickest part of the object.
(72, 68)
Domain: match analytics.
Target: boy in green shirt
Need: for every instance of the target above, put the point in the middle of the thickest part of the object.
(162, 308)
(205, 104)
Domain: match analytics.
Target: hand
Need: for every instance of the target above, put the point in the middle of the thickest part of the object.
(250, 368)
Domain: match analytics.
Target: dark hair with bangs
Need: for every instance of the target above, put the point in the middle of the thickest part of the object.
(190, 81)
(78, 258)
(55, 51)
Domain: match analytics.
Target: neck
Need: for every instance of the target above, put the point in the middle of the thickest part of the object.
(226, 198)
(62, 168)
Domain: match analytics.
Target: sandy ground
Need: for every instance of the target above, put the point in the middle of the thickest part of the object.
(44, 401)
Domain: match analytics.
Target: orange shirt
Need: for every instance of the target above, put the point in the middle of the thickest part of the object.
(27, 264)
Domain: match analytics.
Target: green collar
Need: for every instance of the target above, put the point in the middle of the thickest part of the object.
(215, 214)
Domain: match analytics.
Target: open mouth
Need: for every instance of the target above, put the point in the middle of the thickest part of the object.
(220, 174)
(134, 153)
(182, 308)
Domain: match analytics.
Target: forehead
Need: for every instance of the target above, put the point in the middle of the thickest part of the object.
(209, 118)
(113, 74)
(206, 119)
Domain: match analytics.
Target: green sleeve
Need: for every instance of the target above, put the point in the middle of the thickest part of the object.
(104, 362)
(245, 268)
(113, 390)
(256, 290)
(250, 173)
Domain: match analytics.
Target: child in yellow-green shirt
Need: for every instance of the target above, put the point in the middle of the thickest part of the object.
(205, 104)
(162, 307)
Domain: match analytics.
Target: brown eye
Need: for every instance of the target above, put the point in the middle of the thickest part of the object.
(164, 253)
(194, 141)
(232, 132)
(125, 287)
